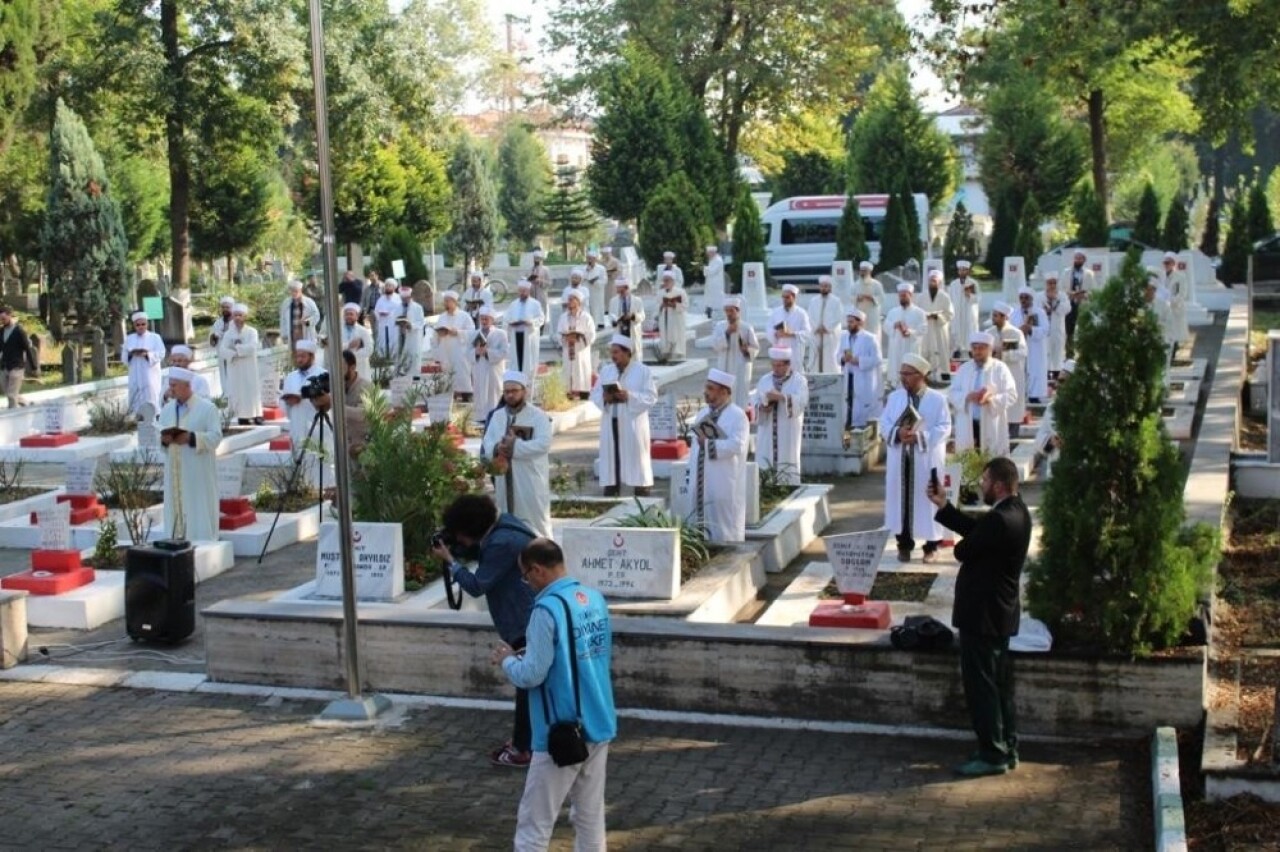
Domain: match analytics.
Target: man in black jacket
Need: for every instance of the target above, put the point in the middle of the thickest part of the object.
(15, 355)
(987, 609)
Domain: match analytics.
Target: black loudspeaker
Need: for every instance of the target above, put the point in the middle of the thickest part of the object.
(159, 594)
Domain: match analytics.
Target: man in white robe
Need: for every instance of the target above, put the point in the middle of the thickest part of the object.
(981, 394)
(1048, 442)
(190, 431)
(825, 314)
(789, 327)
(627, 314)
(386, 337)
(238, 349)
(1079, 281)
(965, 307)
(302, 411)
(220, 325)
(540, 279)
(904, 326)
(299, 317)
(411, 323)
(625, 393)
(861, 361)
(1159, 307)
(143, 351)
(669, 265)
(780, 399)
(936, 346)
(454, 332)
(612, 268)
(357, 339)
(736, 346)
(576, 332)
(1034, 325)
(713, 290)
(717, 472)
(1054, 306)
(516, 442)
(524, 324)
(491, 347)
(575, 283)
(1178, 288)
(180, 355)
(671, 319)
(476, 296)
(915, 424)
(1010, 346)
(594, 279)
(868, 297)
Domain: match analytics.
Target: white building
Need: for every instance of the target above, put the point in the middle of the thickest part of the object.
(964, 125)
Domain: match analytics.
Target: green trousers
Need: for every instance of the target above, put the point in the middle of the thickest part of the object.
(986, 669)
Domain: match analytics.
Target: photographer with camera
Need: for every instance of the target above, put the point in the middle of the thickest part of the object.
(476, 531)
(305, 394)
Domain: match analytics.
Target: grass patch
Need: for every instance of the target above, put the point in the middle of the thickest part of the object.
(21, 492)
(910, 587)
(568, 507)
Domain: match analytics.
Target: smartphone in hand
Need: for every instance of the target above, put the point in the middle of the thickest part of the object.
(934, 486)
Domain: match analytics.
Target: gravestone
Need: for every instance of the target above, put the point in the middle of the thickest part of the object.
(855, 559)
(1273, 396)
(149, 439)
(663, 423)
(70, 365)
(79, 477)
(842, 281)
(823, 448)
(55, 527)
(230, 472)
(98, 354)
(625, 563)
(680, 496)
(396, 390)
(52, 418)
(1015, 277)
(378, 550)
(270, 384)
(753, 286)
(397, 270)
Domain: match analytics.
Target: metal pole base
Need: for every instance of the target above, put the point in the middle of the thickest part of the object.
(361, 709)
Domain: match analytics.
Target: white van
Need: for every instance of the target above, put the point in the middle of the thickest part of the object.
(800, 232)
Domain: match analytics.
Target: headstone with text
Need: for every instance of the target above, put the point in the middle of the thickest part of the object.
(55, 527)
(149, 439)
(270, 384)
(855, 559)
(55, 564)
(753, 286)
(397, 270)
(396, 390)
(624, 562)
(53, 418)
(842, 281)
(230, 473)
(378, 550)
(79, 477)
(663, 423)
(823, 448)
(1014, 278)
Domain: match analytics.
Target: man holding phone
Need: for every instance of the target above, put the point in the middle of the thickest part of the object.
(987, 610)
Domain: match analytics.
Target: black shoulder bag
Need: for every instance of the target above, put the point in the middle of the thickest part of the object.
(566, 742)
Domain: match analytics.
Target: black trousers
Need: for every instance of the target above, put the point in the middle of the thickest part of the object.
(986, 669)
(906, 542)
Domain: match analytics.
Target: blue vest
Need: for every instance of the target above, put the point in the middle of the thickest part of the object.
(593, 641)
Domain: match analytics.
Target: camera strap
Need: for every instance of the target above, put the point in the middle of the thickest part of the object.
(573, 667)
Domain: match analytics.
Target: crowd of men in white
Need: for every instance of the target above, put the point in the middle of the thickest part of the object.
(894, 357)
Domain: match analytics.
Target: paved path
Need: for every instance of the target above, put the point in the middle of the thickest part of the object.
(86, 767)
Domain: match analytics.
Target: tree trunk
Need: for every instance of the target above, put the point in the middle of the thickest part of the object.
(1098, 145)
(175, 138)
(231, 280)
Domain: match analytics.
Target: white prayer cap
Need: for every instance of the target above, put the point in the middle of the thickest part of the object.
(1002, 308)
(1079, 252)
(824, 279)
(139, 315)
(180, 349)
(180, 374)
(524, 284)
(295, 286)
(867, 265)
(390, 283)
(592, 253)
(981, 337)
(621, 282)
(515, 376)
(777, 353)
(1051, 275)
(450, 294)
(351, 306)
(668, 273)
(1026, 291)
(485, 311)
(538, 255)
(623, 340)
(240, 308)
(720, 377)
(1170, 257)
(607, 249)
(935, 274)
(571, 293)
(905, 287)
(226, 300)
(916, 362)
(1068, 366)
(963, 264)
(713, 248)
(305, 346)
(792, 289)
(477, 273)
(668, 254)
(733, 302)
(577, 271)
(856, 314)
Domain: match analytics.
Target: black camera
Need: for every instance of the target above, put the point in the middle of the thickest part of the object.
(315, 386)
(443, 539)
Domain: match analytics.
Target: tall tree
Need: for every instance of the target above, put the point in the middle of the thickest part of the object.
(809, 173)
(82, 240)
(23, 26)
(231, 189)
(567, 210)
(960, 243)
(399, 243)
(748, 236)
(851, 234)
(475, 206)
(913, 218)
(676, 218)
(427, 193)
(1147, 227)
(1092, 229)
(893, 143)
(1235, 253)
(1174, 235)
(1210, 239)
(1260, 224)
(524, 183)
(1029, 245)
(896, 239)
(1004, 233)
(368, 193)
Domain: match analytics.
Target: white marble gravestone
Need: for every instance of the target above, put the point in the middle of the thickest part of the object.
(753, 287)
(625, 562)
(1014, 278)
(79, 477)
(379, 556)
(663, 423)
(855, 558)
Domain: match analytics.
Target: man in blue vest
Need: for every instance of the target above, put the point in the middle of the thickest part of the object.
(569, 631)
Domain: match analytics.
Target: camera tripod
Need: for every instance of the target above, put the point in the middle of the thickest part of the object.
(317, 423)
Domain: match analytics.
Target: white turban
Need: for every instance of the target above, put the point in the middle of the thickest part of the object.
(516, 377)
(981, 337)
(1068, 366)
(571, 293)
(295, 286)
(577, 272)
(867, 265)
(1051, 275)
(607, 249)
(668, 273)
(622, 340)
(305, 346)
(180, 374)
(226, 300)
(1002, 308)
(668, 254)
(778, 353)
(538, 255)
(240, 308)
(1170, 257)
(935, 274)
(963, 264)
(390, 283)
(916, 362)
(139, 315)
(450, 294)
(524, 284)
(824, 279)
(1026, 291)
(180, 349)
(720, 377)
(857, 314)
(351, 306)
(621, 282)
(712, 248)
(792, 289)
(733, 302)
(905, 287)
(485, 311)
(592, 253)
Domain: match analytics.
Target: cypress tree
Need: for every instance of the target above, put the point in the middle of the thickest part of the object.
(82, 240)
(568, 211)
(960, 242)
(677, 219)
(1176, 222)
(913, 221)
(1029, 245)
(1147, 227)
(748, 235)
(851, 234)
(1092, 230)
(1117, 569)
(896, 239)
(1004, 233)
(399, 243)
(1212, 229)
(1235, 254)
(1260, 224)
(475, 206)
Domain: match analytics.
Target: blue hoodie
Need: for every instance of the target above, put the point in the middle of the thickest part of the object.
(497, 577)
